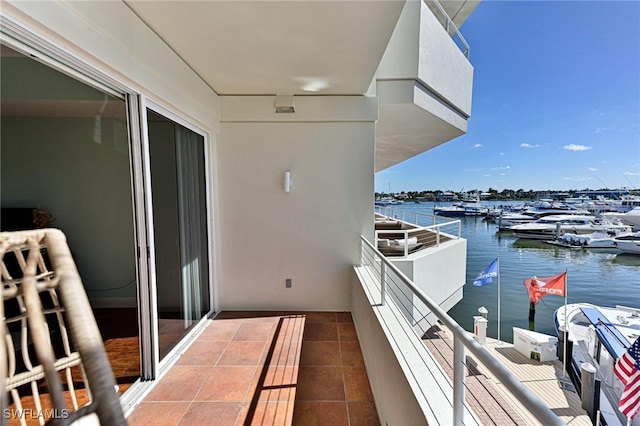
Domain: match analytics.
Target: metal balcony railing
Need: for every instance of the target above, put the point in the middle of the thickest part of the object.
(449, 26)
(400, 233)
(407, 302)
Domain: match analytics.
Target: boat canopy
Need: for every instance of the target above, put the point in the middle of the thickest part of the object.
(607, 332)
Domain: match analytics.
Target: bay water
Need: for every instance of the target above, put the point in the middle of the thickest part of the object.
(601, 277)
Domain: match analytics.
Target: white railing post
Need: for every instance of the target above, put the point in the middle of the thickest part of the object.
(437, 236)
(383, 281)
(458, 382)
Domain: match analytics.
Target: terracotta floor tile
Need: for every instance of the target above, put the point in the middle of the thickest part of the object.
(277, 384)
(222, 330)
(320, 384)
(327, 331)
(203, 353)
(347, 331)
(320, 316)
(314, 367)
(316, 413)
(267, 413)
(261, 331)
(351, 353)
(211, 413)
(362, 414)
(344, 317)
(242, 353)
(228, 384)
(357, 384)
(281, 376)
(181, 383)
(320, 353)
(158, 413)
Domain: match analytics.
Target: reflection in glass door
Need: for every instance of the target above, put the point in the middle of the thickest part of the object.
(178, 189)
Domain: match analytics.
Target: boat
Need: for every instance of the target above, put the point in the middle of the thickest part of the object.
(596, 240)
(631, 217)
(629, 243)
(599, 336)
(385, 201)
(464, 208)
(554, 226)
(536, 211)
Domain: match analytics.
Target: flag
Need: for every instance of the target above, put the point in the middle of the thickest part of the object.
(627, 368)
(487, 275)
(540, 287)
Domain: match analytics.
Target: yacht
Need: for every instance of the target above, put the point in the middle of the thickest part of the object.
(599, 336)
(554, 226)
(461, 209)
(628, 243)
(630, 217)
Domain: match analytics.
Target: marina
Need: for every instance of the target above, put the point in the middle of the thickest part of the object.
(590, 275)
(606, 277)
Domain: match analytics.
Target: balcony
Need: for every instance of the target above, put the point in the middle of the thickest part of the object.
(266, 368)
(424, 84)
(427, 249)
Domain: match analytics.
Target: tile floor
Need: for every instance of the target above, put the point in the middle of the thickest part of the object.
(260, 368)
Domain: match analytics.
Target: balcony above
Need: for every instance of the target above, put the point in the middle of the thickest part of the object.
(424, 84)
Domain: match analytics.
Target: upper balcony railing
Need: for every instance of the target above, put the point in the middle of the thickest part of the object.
(398, 295)
(449, 26)
(400, 233)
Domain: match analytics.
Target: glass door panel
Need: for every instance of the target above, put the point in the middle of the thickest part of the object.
(178, 189)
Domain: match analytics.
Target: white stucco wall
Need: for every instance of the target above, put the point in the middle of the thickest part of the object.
(312, 234)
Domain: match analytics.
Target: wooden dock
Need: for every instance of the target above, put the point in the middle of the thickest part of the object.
(489, 398)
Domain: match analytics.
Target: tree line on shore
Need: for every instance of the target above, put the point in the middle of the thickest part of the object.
(490, 194)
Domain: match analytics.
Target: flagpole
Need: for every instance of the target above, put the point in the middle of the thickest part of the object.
(566, 326)
(499, 339)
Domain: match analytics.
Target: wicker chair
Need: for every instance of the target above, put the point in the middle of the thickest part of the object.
(52, 359)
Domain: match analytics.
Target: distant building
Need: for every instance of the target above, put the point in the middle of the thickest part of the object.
(611, 194)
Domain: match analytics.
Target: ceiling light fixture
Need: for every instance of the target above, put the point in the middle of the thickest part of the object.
(284, 104)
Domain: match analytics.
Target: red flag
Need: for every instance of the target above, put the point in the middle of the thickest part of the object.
(540, 287)
(627, 368)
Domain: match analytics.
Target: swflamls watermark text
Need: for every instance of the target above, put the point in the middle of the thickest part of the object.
(32, 413)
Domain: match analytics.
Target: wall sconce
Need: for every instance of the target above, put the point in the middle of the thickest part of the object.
(286, 181)
(284, 103)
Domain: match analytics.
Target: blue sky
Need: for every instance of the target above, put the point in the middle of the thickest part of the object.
(556, 102)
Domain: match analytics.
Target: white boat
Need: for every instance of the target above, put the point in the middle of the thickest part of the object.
(629, 243)
(599, 336)
(464, 208)
(385, 201)
(554, 226)
(596, 240)
(632, 217)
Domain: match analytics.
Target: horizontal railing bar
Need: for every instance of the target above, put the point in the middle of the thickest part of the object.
(511, 383)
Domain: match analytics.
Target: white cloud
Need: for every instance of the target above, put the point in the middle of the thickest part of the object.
(503, 174)
(486, 175)
(501, 153)
(631, 173)
(478, 145)
(501, 168)
(592, 169)
(528, 145)
(574, 147)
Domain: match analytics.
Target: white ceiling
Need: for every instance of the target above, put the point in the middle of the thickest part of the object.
(276, 47)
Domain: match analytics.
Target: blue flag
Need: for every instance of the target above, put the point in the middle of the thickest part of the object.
(487, 275)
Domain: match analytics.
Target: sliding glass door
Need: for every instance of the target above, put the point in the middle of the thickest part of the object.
(178, 191)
